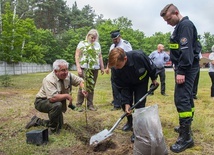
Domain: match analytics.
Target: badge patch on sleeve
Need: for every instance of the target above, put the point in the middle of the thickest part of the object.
(183, 41)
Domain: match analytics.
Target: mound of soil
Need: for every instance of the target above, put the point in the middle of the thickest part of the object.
(119, 143)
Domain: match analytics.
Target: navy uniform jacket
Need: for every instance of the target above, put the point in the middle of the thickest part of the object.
(137, 70)
(184, 46)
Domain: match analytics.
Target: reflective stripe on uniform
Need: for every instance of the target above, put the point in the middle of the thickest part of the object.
(141, 77)
(183, 48)
(173, 46)
(193, 109)
(185, 114)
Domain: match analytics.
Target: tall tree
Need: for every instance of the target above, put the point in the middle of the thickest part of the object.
(16, 34)
(122, 22)
(0, 17)
(82, 18)
(158, 38)
(207, 42)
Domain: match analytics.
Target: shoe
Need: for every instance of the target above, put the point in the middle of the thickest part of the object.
(128, 125)
(92, 108)
(66, 126)
(177, 129)
(195, 97)
(115, 108)
(112, 102)
(164, 94)
(79, 109)
(132, 138)
(152, 93)
(32, 123)
(184, 140)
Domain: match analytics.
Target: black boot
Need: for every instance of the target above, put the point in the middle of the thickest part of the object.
(132, 138)
(128, 125)
(177, 129)
(33, 122)
(184, 140)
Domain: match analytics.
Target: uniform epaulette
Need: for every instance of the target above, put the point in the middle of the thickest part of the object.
(125, 41)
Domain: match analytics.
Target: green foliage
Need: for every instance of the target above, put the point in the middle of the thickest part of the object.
(6, 80)
(158, 38)
(207, 41)
(43, 31)
(90, 55)
(16, 34)
(82, 18)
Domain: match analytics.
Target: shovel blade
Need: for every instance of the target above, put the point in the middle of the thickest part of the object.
(95, 139)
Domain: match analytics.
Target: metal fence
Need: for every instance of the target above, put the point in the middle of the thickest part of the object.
(23, 68)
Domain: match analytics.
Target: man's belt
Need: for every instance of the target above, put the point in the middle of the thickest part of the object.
(160, 67)
(42, 98)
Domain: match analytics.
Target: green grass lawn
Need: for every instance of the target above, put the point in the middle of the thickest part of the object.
(16, 109)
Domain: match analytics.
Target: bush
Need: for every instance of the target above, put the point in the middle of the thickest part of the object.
(6, 80)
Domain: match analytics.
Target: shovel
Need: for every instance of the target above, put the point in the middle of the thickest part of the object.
(95, 139)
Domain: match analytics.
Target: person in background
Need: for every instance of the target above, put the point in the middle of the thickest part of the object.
(160, 57)
(195, 86)
(211, 71)
(91, 42)
(53, 94)
(184, 54)
(131, 73)
(126, 46)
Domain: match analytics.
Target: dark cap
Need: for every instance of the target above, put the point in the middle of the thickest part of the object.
(115, 34)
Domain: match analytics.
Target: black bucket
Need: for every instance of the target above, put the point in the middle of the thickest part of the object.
(37, 137)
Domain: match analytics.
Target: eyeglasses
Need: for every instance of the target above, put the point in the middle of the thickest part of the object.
(63, 70)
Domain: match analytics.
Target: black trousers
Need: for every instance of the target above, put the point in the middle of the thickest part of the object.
(195, 86)
(183, 97)
(116, 94)
(211, 74)
(136, 93)
(161, 73)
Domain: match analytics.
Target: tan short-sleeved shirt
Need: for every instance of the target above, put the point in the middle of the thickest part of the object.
(51, 85)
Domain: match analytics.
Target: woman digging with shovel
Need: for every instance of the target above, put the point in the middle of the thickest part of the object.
(131, 71)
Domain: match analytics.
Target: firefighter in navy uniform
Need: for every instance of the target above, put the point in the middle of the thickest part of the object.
(184, 54)
(131, 73)
(126, 46)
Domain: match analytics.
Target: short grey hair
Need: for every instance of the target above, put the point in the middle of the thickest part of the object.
(212, 48)
(59, 62)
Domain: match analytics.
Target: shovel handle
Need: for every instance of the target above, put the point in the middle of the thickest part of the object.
(152, 88)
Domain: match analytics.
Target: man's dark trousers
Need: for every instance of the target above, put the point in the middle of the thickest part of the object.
(195, 86)
(54, 111)
(162, 75)
(115, 93)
